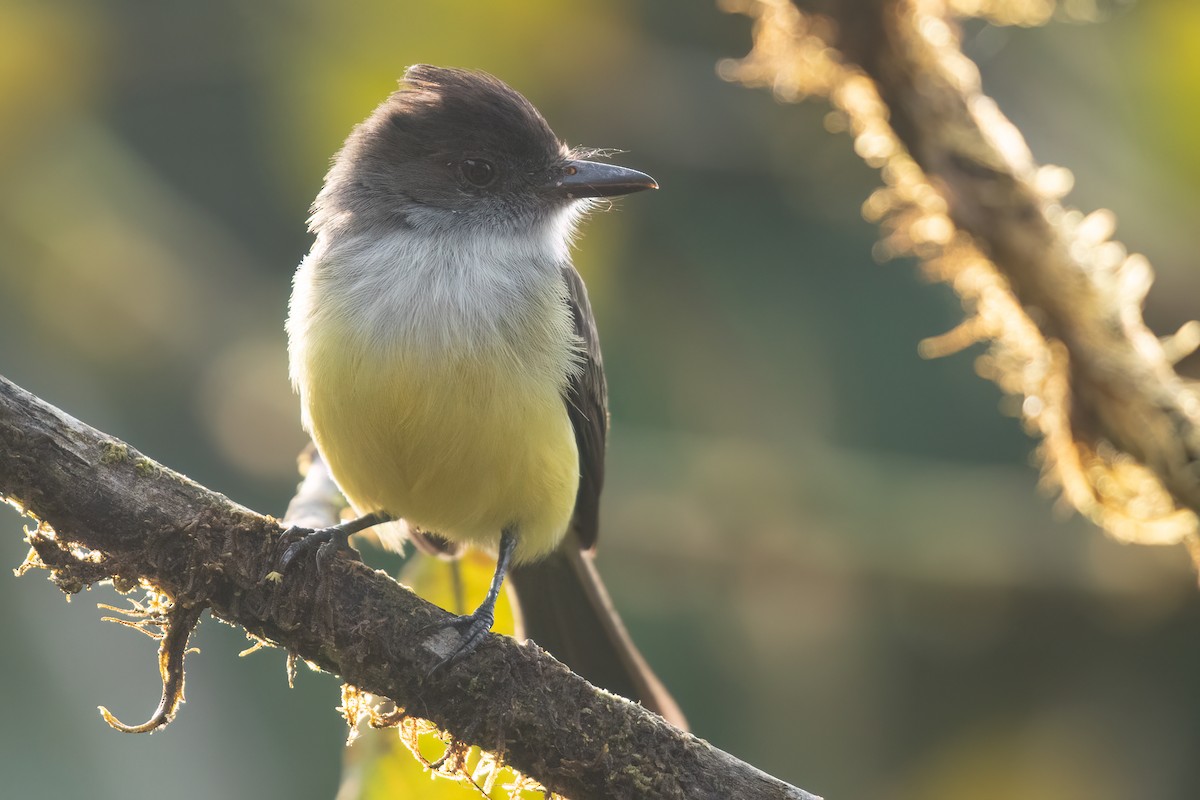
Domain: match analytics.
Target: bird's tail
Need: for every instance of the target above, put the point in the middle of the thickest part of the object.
(561, 603)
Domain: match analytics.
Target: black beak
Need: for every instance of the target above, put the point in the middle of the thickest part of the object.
(593, 179)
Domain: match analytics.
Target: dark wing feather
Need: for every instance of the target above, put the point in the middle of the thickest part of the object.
(561, 603)
(587, 406)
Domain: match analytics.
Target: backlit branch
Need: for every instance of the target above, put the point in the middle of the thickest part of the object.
(1059, 300)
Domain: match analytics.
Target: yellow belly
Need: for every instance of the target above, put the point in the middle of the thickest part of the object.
(464, 446)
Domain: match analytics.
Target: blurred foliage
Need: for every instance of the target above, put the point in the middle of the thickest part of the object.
(831, 550)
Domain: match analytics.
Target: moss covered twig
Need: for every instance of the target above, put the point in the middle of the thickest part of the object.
(177, 624)
(1058, 299)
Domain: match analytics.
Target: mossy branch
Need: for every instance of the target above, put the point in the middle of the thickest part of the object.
(1059, 301)
(106, 512)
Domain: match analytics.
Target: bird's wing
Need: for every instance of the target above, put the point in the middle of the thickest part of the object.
(587, 406)
(561, 603)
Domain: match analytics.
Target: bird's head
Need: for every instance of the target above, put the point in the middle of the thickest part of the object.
(460, 150)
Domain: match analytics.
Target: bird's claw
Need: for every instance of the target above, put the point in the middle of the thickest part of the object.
(472, 629)
(327, 542)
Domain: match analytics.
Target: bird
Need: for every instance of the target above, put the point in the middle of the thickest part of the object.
(448, 363)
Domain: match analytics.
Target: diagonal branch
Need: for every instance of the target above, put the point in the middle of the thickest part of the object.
(1059, 300)
(111, 513)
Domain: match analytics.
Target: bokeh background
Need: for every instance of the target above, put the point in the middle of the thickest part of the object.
(834, 552)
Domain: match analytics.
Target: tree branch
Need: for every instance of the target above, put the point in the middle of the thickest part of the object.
(1059, 300)
(108, 512)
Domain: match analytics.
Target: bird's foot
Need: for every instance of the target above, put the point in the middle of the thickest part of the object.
(327, 543)
(471, 630)
(472, 627)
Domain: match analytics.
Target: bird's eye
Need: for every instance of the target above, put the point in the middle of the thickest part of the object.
(478, 172)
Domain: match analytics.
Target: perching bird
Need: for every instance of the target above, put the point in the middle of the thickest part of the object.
(447, 359)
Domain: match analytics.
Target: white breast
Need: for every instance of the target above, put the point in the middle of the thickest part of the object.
(432, 372)
(422, 295)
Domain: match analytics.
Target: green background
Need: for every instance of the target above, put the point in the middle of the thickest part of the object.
(834, 552)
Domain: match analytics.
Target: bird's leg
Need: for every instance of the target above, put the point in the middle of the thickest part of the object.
(474, 626)
(336, 537)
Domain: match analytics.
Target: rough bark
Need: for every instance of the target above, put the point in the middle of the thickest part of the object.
(143, 524)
